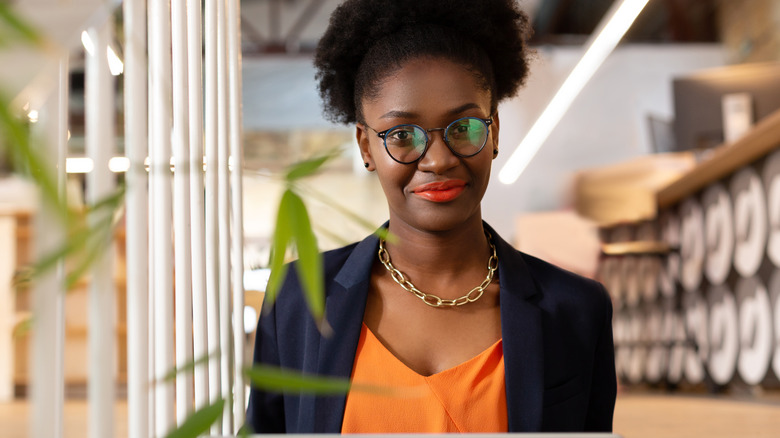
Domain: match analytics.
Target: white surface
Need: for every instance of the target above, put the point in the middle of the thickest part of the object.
(199, 319)
(750, 221)
(755, 330)
(718, 233)
(160, 111)
(223, 208)
(100, 147)
(670, 267)
(774, 288)
(674, 334)
(657, 357)
(211, 220)
(236, 210)
(771, 178)
(723, 335)
(691, 244)
(137, 216)
(181, 209)
(696, 330)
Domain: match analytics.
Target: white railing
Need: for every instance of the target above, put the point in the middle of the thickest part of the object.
(187, 220)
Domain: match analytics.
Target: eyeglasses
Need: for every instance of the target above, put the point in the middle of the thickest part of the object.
(408, 143)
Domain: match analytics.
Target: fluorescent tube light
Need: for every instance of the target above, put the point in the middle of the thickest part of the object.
(115, 64)
(79, 165)
(603, 41)
(86, 41)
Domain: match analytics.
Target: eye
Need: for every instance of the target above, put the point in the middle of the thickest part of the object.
(461, 129)
(400, 135)
(403, 136)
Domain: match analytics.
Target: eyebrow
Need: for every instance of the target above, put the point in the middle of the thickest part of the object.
(409, 115)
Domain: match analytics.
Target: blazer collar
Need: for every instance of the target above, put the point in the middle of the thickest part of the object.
(521, 328)
(344, 309)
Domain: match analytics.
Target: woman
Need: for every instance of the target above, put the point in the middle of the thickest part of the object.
(489, 338)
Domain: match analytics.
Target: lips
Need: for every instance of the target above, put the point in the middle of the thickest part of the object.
(440, 191)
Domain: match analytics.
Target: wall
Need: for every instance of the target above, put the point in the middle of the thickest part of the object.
(606, 124)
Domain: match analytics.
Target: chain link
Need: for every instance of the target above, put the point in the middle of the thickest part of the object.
(431, 299)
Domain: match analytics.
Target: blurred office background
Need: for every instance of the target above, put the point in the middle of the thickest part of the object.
(660, 181)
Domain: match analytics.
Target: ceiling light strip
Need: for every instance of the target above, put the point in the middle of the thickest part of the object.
(602, 42)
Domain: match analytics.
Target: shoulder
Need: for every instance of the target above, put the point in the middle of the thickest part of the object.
(559, 285)
(341, 266)
(551, 287)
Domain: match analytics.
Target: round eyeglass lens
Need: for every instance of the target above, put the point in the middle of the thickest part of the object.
(406, 143)
(467, 136)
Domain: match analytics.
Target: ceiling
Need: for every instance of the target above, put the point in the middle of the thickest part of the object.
(294, 26)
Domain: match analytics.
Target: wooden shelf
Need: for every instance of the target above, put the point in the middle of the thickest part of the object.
(726, 159)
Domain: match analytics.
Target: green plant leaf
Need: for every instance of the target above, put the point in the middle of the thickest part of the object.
(282, 239)
(304, 168)
(354, 217)
(23, 153)
(308, 167)
(199, 421)
(94, 249)
(309, 266)
(269, 378)
(277, 379)
(112, 201)
(23, 327)
(188, 367)
(17, 25)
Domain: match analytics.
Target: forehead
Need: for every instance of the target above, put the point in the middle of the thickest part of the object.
(427, 87)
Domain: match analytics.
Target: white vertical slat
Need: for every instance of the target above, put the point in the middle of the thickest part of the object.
(237, 211)
(100, 145)
(212, 255)
(7, 305)
(46, 352)
(61, 140)
(199, 332)
(160, 190)
(136, 202)
(152, 395)
(181, 209)
(223, 208)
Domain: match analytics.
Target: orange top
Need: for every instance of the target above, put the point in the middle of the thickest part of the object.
(469, 397)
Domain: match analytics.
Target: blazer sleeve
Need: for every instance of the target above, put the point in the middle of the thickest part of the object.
(604, 381)
(265, 413)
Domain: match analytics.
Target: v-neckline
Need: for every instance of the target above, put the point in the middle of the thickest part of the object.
(451, 369)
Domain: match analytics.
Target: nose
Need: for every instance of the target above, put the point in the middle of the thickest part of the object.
(438, 158)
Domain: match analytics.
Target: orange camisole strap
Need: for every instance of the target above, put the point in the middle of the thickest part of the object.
(469, 397)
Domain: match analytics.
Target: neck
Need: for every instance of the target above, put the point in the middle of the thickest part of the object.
(444, 262)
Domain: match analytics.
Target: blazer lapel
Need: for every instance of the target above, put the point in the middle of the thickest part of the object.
(521, 328)
(344, 309)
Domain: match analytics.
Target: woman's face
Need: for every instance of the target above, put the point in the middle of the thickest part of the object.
(441, 190)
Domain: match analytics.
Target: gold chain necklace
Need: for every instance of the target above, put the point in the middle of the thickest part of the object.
(433, 300)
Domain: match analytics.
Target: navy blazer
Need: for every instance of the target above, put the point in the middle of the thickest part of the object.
(557, 339)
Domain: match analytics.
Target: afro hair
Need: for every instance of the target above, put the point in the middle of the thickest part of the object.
(367, 40)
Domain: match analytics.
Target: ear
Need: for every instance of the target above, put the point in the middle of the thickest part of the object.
(494, 131)
(362, 135)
